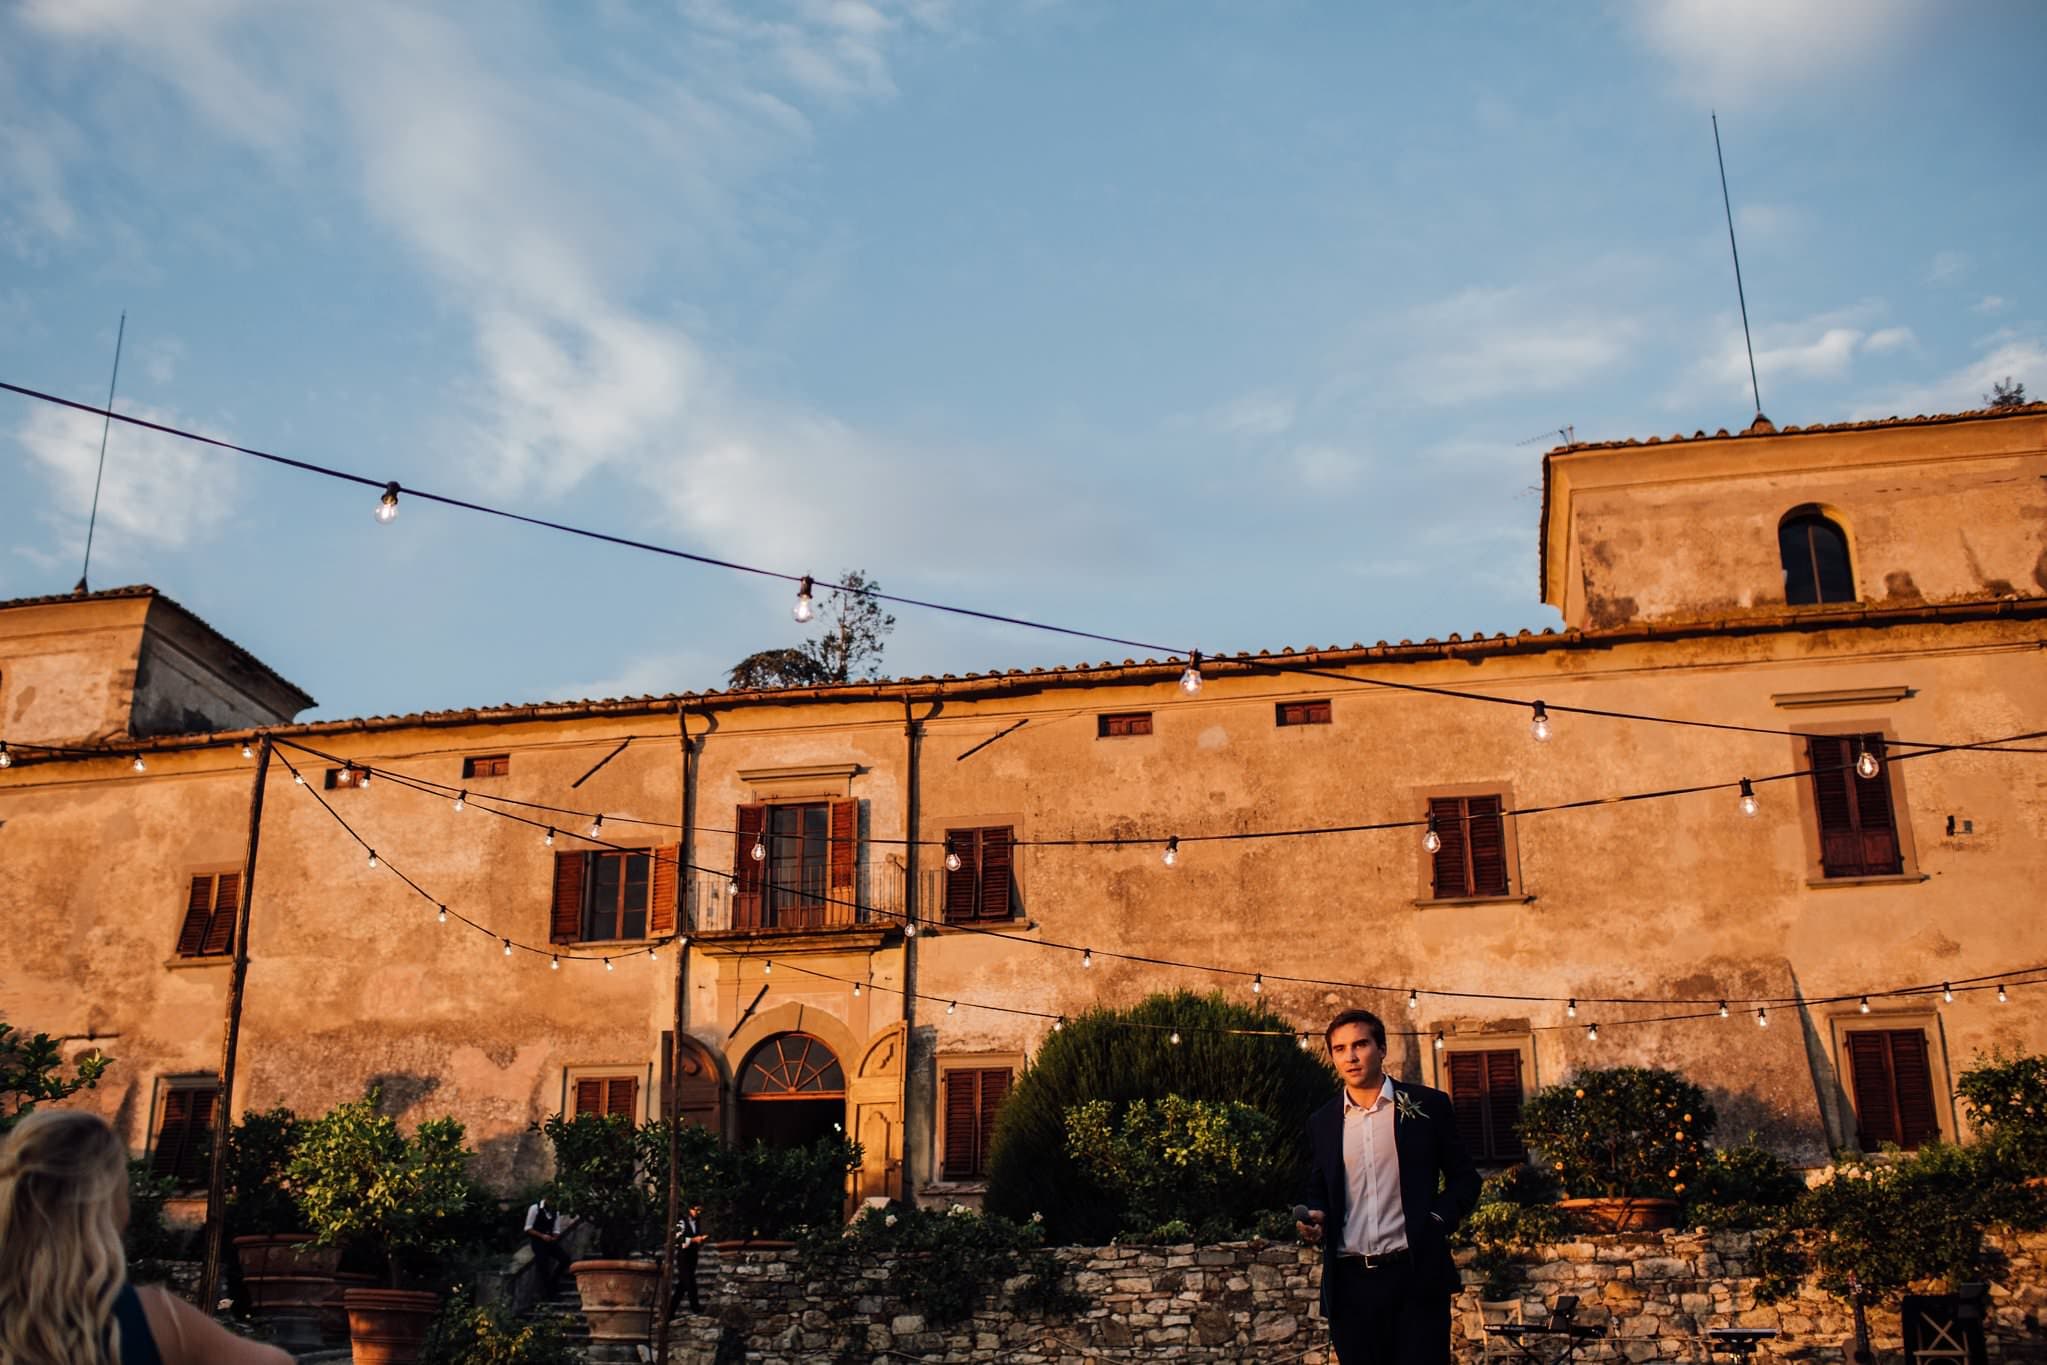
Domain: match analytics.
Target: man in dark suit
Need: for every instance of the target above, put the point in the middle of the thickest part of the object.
(1377, 1152)
(689, 1242)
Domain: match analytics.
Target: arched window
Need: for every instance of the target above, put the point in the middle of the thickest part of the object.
(794, 1065)
(1815, 554)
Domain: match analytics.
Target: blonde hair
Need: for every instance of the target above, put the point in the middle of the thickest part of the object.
(63, 1174)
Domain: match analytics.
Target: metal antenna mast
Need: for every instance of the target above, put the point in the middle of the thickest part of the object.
(1734, 250)
(93, 520)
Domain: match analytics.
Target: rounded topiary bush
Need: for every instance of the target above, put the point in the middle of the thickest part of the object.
(1621, 1132)
(1119, 1056)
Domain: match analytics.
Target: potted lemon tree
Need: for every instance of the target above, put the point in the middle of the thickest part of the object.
(606, 1173)
(1623, 1142)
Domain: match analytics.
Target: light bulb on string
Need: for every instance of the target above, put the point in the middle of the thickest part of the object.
(1947, 992)
(952, 856)
(548, 838)
(442, 917)
(1432, 841)
(952, 1007)
(1538, 725)
(1304, 1042)
(1175, 1039)
(461, 800)
(607, 965)
(363, 780)
(856, 990)
(597, 827)
(1414, 1000)
(1749, 804)
(1059, 1024)
(1171, 857)
(1592, 1033)
(803, 610)
(138, 765)
(373, 857)
(2001, 997)
(653, 954)
(1190, 680)
(759, 851)
(1087, 957)
(508, 947)
(1864, 1006)
(298, 777)
(732, 886)
(248, 751)
(6, 759)
(1258, 985)
(1439, 1040)
(909, 926)
(554, 962)
(1866, 766)
(387, 505)
(1571, 1010)
(768, 967)
(1762, 1018)
(1723, 1009)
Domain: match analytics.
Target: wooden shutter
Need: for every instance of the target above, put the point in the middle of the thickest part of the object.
(184, 1138)
(565, 923)
(962, 1115)
(845, 863)
(997, 859)
(698, 1102)
(1893, 1085)
(1449, 878)
(227, 901)
(1468, 1099)
(1912, 1078)
(589, 1097)
(1858, 832)
(962, 900)
(1873, 814)
(751, 822)
(1503, 1105)
(198, 916)
(622, 1097)
(994, 1090)
(1488, 839)
(1876, 1115)
(662, 884)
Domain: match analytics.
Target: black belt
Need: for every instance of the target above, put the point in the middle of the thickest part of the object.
(1370, 1261)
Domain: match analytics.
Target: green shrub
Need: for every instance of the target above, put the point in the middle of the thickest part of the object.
(260, 1197)
(466, 1333)
(150, 1242)
(1621, 1131)
(32, 1072)
(1742, 1187)
(1174, 1163)
(754, 1190)
(2006, 1100)
(365, 1185)
(611, 1174)
(1513, 1217)
(943, 1263)
(1099, 1057)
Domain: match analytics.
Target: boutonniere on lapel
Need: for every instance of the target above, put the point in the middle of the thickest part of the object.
(1407, 1106)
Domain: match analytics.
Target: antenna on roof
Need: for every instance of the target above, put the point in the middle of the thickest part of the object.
(1565, 434)
(1728, 205)
(93, 520)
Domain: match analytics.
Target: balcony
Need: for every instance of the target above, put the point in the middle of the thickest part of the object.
(805, 905)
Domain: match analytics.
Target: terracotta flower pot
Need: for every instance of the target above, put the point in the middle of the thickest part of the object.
(289, 1288)
(1643, 1213)
(388, 1326)
(618, 1298)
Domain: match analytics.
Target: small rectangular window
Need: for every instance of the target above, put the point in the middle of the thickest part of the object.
(1485, 1097)
(342, 779)
(1893, 1083)
(984, 885)
(1302, 712)
(183, 1150)
(972, 1097)
(1858, 829)
(1118, 724)
(615, 891)
(210, 907)
(1471, 858)
(611, 1096)
(486, 765)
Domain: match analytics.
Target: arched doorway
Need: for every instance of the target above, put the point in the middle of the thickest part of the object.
(792, 1091)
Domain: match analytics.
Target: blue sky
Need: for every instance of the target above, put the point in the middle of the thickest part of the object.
(1213, 324)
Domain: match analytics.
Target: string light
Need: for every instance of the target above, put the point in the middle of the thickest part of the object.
(1864, 1006)
(597, 827)
(508, 947)
(461, 800)
(1749, 804)
(1592, 1033)
(653, 955)
(1087, 957)
(442, 917)
(909, 926)
(2000, 994)
(1304, 1042)
(1723, 1009)
(373, 857)
(856, 990)
(1414, 1001)
(732, 886)
(1172, 854)
(1571, 1010)
(1059, 1024)
(1175, 1039)
(803, 610)
(1947, 992)
(387, 505)
(548, 839)
(554, 962)
(138, 765)
(298, 777)
(1432, 841)
(1538, 726)
(1190, 681)
(952, 1007)
(6, 759)
(1258, 984)
(1439, 1040)
(1865, 764)
(1762, 1018)
(607, 964)
(759, 852)
(247, 751)
(768, 967)
(363, 778)
(952, 856)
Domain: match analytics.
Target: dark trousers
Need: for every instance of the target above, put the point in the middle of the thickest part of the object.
(685, 1281)
(549, 1261)
(1390, 1316)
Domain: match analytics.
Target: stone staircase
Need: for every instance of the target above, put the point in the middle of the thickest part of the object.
(568, 1306)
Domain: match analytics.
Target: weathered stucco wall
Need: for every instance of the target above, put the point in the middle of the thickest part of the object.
(67, 670)
(1655, 1295)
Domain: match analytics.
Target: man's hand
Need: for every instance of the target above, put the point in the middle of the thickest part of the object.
(1311, 1230)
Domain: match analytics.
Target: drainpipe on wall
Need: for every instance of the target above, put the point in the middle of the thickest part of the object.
(671, 1103)
(914, 1120)
(231, 1033)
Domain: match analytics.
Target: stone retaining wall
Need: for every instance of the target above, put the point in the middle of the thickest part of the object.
(1255, 1301)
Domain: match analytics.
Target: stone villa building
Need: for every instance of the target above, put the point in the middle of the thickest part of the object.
(1847, 592)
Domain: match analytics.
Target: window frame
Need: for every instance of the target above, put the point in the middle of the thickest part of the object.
(159, 1113)
(215, 871)
(1425, 862)
(1306, 711)
(1806, 516)
(1846, 1119)
(1810, 831)
(640, 1077)
(978, 1064)
(1123, 724)
(1522, 1045)
(970, 842)
(343, 779)
(592, 859)
(484, 767)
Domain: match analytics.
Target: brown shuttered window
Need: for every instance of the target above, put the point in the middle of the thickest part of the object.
(486, 765)
(1893, 1088)
(1485, 1096)
(183, 1149)
(1119, 724)
(984, 887)
(343, 779)
(1472, 860)
(1858, 831)
(972, 1097)
(1301, 713)
(810, 876)
(210, 908)
(608, 1095)
(608, 895)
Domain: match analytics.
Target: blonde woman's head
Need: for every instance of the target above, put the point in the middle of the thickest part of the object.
(63, 1205)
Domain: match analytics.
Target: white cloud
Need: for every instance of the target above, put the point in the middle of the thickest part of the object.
(1327, 468)
(1991, 303)
(1504, 342)
(2024, 360)
(158, 491)
(1946, 266)
(1264, 413)
(1889, 339)
(1758, 49)
(1823, 346)
(653, 675)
